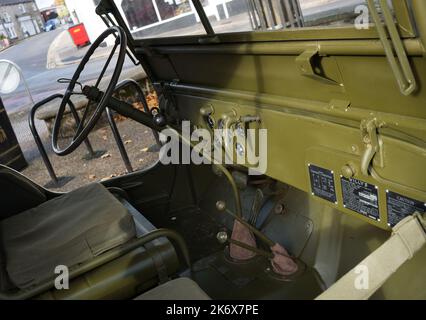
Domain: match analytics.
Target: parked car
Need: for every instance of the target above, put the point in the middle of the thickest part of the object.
(51, 25)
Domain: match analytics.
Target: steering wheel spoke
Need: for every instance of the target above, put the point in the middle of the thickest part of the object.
(80, 125)
(111, 55)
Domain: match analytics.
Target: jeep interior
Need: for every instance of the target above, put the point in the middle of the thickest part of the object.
(343, 190)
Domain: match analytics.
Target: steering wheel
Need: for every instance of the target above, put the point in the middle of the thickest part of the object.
(91, 92)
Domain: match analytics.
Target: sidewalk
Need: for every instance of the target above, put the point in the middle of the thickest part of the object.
(63, 52)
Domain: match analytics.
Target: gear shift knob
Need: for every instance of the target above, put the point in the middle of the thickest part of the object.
(159, 119)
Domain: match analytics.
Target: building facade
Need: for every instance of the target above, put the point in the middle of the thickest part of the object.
(149, 17)
(55, 10)
(19, 19)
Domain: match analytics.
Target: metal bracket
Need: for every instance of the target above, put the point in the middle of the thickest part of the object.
(401, 67)
(104, 7)
(373, 146)
(305, 61)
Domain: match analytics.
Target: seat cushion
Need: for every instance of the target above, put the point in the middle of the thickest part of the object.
(67, 230)
(127, 276)
(178, 289)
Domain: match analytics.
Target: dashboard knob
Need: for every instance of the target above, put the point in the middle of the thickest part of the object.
(347, 171)
(159, 118)
(207, 110)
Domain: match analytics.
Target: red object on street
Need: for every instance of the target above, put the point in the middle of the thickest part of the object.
(79, 35)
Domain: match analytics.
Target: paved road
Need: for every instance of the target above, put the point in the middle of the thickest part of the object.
(31, 56)
(324, 6)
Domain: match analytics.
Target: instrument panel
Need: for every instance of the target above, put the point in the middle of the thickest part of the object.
(325, 158)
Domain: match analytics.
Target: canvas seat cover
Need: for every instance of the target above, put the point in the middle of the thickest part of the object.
(66, 230)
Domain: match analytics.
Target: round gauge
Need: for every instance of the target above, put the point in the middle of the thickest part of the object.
(218, 137)
(240, 129)
(226, 136)
(239, 148)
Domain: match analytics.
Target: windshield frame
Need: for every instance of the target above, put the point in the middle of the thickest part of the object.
(403, 17)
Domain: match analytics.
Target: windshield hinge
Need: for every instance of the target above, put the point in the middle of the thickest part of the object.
(373, 146)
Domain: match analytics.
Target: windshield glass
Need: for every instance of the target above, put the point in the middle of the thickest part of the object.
(270, 15)
(168, 18)
(164, 18)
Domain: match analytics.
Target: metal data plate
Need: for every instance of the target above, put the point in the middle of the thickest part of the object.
(322, 183)
(361, 197)
(399, 207)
